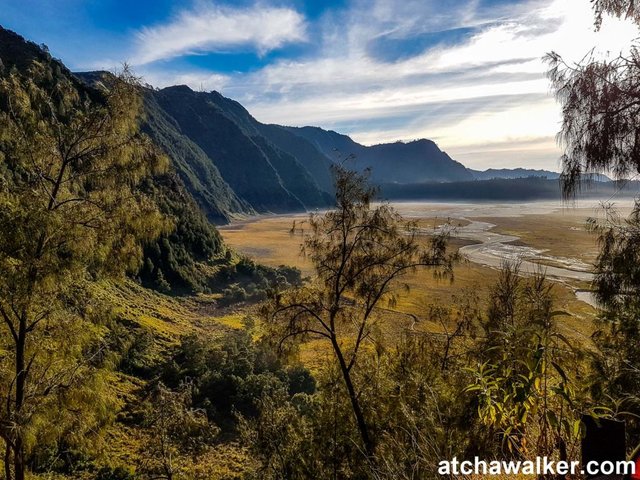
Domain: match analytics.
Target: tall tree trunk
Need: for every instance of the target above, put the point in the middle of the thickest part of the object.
(18, 450)
(355, 403)
(18, 459)
(7, 461)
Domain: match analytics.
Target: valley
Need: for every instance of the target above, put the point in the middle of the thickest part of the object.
(548, 235)
(188, 292)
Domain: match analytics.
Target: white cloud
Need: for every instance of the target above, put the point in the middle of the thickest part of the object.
(196, 79)
(210, 28)
(529, 152)
(484, 100)
(504, 59)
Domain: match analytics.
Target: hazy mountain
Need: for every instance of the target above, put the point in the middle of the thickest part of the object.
(334, 145)
(401, 162)
(199, 174)
(317, 163)
(502, 189)
(231, 164)
(275, 168)
(267, 178)
(513, 173)
(244, 165)
(492, 173)
(222, 156)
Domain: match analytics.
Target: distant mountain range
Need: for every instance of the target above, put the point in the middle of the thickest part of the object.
(233, 165)
(493, 173)
(399, 162)
(522, 189)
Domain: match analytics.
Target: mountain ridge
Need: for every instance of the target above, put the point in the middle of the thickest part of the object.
(518, 172)
(235, 165)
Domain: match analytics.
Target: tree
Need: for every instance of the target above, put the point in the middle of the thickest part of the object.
(619, 8)
(523, 391)
(617, 289)
(601, 131)
(282, 439)
(359, 252)
(600, 107)
(70, 161)
(176, 428)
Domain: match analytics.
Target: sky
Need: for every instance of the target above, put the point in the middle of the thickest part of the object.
(468, 74)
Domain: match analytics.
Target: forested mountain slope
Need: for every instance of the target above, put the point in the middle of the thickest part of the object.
(267, 178)
(170, 261)
(234, 165)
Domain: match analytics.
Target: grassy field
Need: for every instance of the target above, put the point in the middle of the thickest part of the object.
(269, 241)
(561, 233)
(167, 318)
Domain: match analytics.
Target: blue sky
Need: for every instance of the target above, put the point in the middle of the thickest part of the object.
(466, 73)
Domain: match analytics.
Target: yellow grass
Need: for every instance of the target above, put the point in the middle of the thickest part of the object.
(168, 318)
(269, 241)
(562, 234)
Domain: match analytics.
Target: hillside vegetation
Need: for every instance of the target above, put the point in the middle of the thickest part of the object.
(135, 345)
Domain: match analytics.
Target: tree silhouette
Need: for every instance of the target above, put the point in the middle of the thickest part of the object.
(359, 252)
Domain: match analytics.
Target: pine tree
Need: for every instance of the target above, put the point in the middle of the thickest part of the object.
(70, 161)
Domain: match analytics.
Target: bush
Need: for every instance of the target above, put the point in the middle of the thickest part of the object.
(230, 377)
(249, 281)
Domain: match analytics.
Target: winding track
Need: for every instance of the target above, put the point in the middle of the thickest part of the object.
(494, 248)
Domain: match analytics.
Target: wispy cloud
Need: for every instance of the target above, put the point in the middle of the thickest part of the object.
(199, 80)
(466, 73)
(481, 94)
(211, 28)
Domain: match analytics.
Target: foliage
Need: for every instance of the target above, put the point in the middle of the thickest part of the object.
(231, 377)
(118, 473)
(70, 162)
(617, 274)
(524, 391)
(281, 438)
(84, 191)
(307, 436)
(175, 261)
(600, 132)
(247, 280)
(615, 380)
(176, 430)
(600, 108)
(359, 252)
(424, 416)
(130, 349)
(412, 391)
(619, 8)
